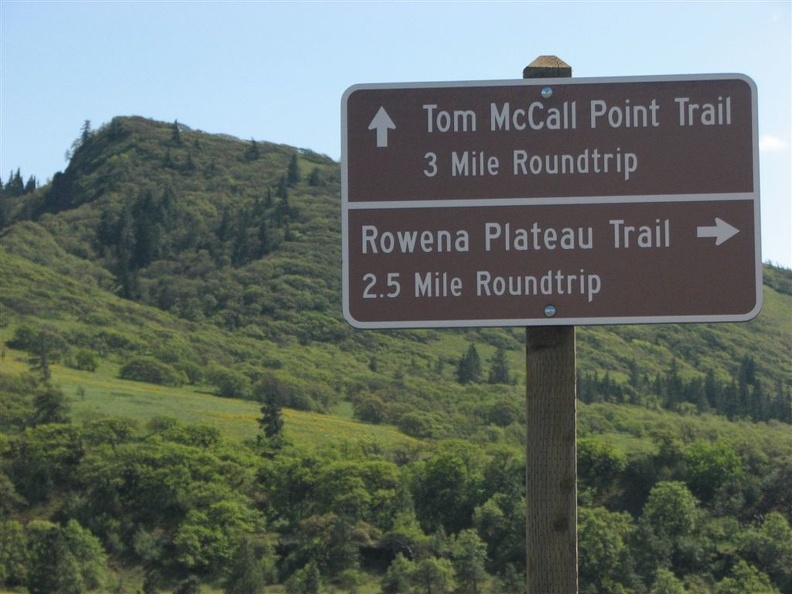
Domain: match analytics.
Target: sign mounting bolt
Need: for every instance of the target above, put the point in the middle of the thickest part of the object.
(546, 92)
(549, 311)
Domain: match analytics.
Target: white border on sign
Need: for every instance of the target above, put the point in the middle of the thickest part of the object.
(415, 324)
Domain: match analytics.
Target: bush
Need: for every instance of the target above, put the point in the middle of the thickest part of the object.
(149, 370)
(229, 383)
(85, 361)
(24, 339)
(371, 409)
(416, 424)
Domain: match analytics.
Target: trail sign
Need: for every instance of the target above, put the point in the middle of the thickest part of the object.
(551, 202)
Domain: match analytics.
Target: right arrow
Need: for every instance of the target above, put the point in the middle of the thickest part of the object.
(381, 123)
(721, 231)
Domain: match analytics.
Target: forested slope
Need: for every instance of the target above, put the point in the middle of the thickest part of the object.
(183, 403)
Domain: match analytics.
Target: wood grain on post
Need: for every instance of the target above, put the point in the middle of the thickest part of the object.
(551, 457)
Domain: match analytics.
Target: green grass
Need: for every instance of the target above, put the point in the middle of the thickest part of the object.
(101, 394)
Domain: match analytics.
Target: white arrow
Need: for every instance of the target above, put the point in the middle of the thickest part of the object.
(382, 123)
(721, 231)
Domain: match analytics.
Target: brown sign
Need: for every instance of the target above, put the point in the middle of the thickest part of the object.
(582, 201)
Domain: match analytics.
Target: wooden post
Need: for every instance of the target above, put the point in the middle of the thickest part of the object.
(551, 458)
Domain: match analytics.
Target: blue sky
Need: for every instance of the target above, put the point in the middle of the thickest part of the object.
(276, 71)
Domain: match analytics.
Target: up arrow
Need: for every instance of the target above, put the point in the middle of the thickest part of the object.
(721, 231)
(382, 123)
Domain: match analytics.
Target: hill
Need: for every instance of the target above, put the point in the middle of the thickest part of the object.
(175, 279)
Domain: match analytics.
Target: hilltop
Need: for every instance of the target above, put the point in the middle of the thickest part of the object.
(169, 280)
(244, 237)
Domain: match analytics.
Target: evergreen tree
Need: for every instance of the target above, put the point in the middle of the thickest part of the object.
(225, 227)
(252, 152)
(264, 242)
(469, 367)
(315, 177)
(282, 209)
(499, 368)
(31, 185)
(293, 173)
(148, 231)
(14, 187)
(85, 132)
(271, 420)
(283, 189)
(176, 133)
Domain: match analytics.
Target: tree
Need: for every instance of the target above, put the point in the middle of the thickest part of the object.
(271, 422)
(745, 578)
(447, 487)
(671, 509)
(330, 542)
(85, 132)
(31, 185)
(64, 560)
(434, 576)
(667, 583)
(710, 465)
(293, 173)
(206, 539)
(283, 211)
(247, 573)
(469, 367)
(305, 581)
(10, 499)
(176, 133)
(46, 345)
(604, 551)
(398, 578)
(469, 553)
(499, 368)
(191, 585)
(53, 569)
(252, 152)
(315, 177)
(667, 523)
(406, 538)
(88, 551)
(50, 406)
(769, 548)
(13, 553)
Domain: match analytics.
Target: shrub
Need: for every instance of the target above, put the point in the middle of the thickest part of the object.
(371, 409)
(85, 361)
(416, 424)
(229, 383)
(149, 370)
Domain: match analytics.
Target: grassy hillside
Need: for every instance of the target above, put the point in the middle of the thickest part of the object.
(208, 269)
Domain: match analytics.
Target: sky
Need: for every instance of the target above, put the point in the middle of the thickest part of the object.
(276, 71)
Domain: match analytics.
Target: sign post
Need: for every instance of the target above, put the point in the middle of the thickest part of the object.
(551, 546)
